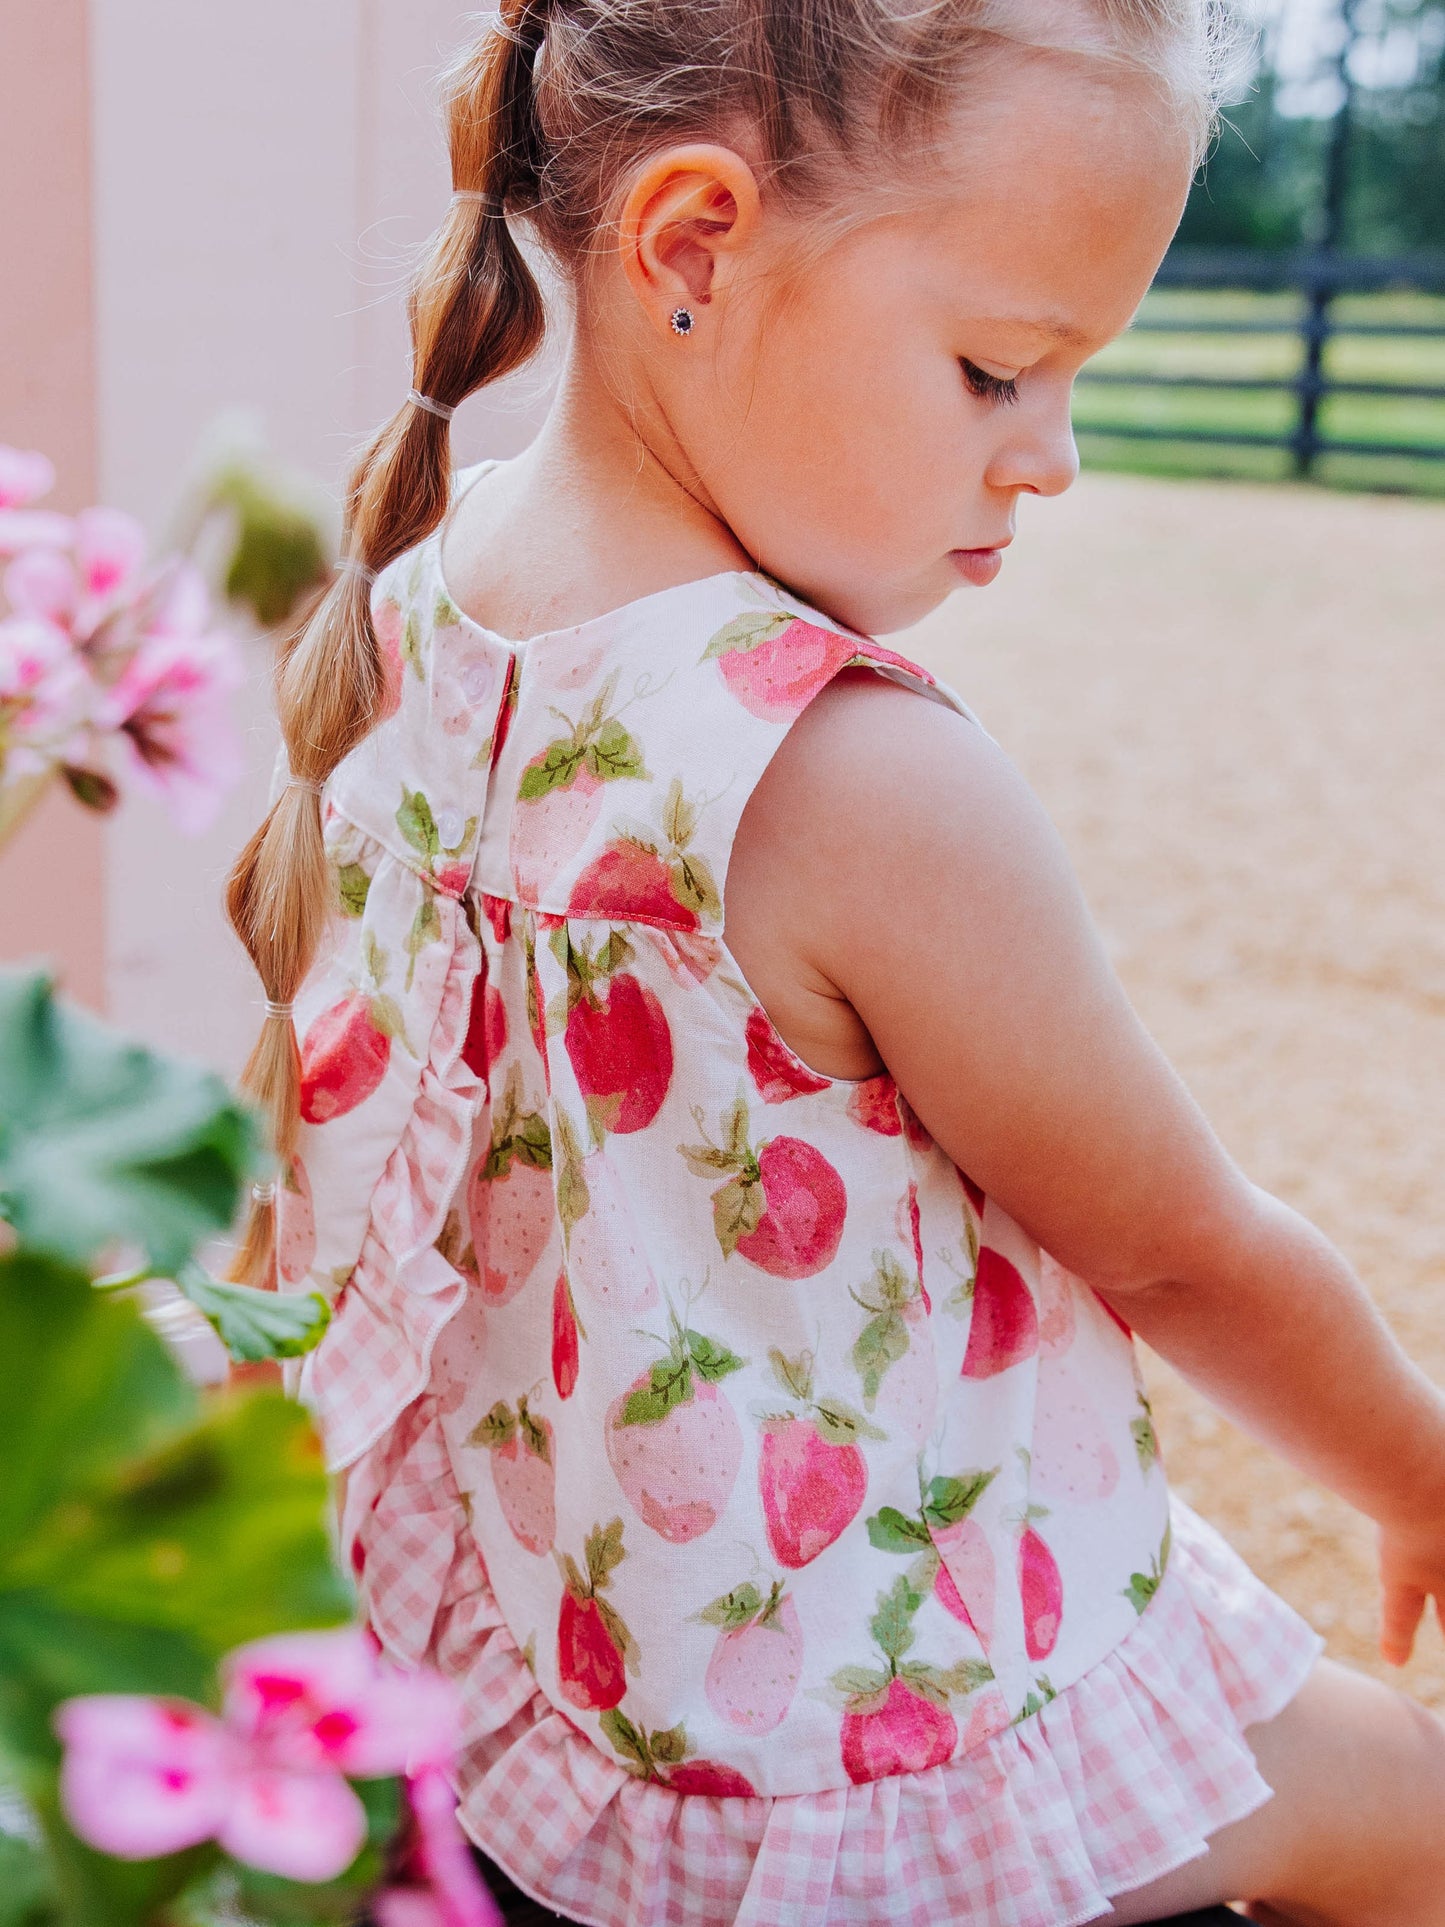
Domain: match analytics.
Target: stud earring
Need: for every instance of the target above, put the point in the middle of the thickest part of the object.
(682, 321)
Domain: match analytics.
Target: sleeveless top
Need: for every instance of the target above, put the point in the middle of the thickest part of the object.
(784, 1461)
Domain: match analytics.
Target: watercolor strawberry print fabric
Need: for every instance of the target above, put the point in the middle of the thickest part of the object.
(765, 1485)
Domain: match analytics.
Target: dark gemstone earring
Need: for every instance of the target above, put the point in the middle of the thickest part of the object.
(682, 321)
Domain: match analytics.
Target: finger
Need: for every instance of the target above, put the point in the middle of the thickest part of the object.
(1404, 1607)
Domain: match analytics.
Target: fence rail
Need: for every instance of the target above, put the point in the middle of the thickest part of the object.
(1319, 278)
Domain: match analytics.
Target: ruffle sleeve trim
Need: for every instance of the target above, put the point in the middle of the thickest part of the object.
(1113, 1783)
(376, 1355)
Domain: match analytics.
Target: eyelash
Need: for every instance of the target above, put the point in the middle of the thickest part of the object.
(989, 387)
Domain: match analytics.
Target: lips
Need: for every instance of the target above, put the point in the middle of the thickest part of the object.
(979, 566)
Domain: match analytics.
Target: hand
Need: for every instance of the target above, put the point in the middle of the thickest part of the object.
(1412, 1572)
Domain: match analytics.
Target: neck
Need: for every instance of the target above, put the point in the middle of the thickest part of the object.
(598, 511)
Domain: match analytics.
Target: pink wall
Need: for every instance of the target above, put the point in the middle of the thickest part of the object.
(52, 884)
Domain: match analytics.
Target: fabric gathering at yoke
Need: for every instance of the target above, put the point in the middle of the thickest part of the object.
(738, 1455)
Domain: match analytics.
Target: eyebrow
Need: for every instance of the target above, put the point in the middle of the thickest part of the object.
(1041, 324)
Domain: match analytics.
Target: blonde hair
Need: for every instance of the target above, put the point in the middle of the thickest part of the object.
(546, 113)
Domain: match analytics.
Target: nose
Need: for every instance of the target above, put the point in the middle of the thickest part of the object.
(1037, 453)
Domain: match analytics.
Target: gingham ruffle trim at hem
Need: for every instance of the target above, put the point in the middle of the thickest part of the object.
(1120, 1779)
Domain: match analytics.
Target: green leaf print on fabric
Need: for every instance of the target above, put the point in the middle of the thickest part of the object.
(352, 884)
(890, 1296)
(783, 1205)
(1142, 1586)
(1146, 1438)
(597, 744)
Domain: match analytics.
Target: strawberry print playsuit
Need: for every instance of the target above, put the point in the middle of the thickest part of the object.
(795, 1528)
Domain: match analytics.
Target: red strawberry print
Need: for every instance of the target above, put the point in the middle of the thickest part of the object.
(896, 1718)
(645, 878)
(908, 1223)
(1005, 1325)
(1041, 1588)
(566, 1352)
(874, 1105)
(778, 1074)
(486, 1037)
(775, 663)
(947, 1545)
(523, 1472)
(509, 1198)
(594, 1648)
(295, 1224)
(893, 1353)
(782, 1205)
(559, 798)
(498, 912)
(661, 1758)
(344, 1055)
(975, 1197)
(758, 1659)
(812, 1477)
(673, 1440)
(617, 1036)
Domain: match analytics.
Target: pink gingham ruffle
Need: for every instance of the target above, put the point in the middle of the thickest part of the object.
(1121, 1778)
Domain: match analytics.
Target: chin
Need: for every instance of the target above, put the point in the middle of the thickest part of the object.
(875, 608)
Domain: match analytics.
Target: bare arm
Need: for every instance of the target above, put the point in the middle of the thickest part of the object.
(928, 901)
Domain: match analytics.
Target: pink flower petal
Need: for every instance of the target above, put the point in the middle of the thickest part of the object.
(142, 1777)
(178, 602)
(45, 688)
(42, 582)
(180, 739)
(34, 528)
(407, 1907)
(109, 548)
(304, 1826)
(411, 1722)
(446, 1861)
(25, 475)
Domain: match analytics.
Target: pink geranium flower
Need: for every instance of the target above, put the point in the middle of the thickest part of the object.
(45, 690)
(170, 706)
(300, 1715)
(26, 475)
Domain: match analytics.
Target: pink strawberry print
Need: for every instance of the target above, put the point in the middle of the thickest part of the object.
(893, 1353)
(775, 663)
(950, 1552)
(758, 1659)
(595, 1651)
(782, 1205)
(1057, 1322)
(659, 879)
(777, 1072)
(559, 798)
(344, 1055)
(389, 623)
(617, 1035)
(606, 1257)
(874, 1105)
(509, 1198)
(1072, 1458)
(896, 1717)
(812, 1476)
(523, 1472)
(1004, 1329)
(295, 1224)
(661, 1757)
(673, 1440)
(566, 1351)
(1041, 1589)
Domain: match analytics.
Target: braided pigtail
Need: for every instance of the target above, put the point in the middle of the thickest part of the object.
(476, 313)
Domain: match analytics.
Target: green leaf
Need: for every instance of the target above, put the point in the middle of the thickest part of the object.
(624, 1737)
(495, 1428)
(101, 1140)
(713, 1361)
(669, 1746)
(737, 1211)
(556, 771)
(27, 1890)
(965, 1676)
(706, 1160)
(950, 1500)
(747, 632)
(858, 1680)
(1146, 1441)
(252, 1324)
(612, 753)
(695, 887)
(839, 1424)
(795, 1375)
(893, 1531)
(411, 648)
(881, 1343)
(532, 1142)
(734, 1609)
(417, 824)
(1141, 1589)
(669, 1387)
(892, 1624)
(353, 883)
(604, 1552)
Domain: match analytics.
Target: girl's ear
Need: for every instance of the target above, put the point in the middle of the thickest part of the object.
(686, 220)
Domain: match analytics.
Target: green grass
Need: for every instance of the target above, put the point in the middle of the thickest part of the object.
(1276, 355)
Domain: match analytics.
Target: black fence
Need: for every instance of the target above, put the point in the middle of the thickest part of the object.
(1319, 279)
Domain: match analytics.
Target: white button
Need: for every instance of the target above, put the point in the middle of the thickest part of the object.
(477, 679)
(449, 828)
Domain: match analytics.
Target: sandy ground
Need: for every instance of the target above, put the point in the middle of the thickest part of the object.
(1232, 700)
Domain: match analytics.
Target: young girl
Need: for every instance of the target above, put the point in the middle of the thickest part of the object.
(735, 1166)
